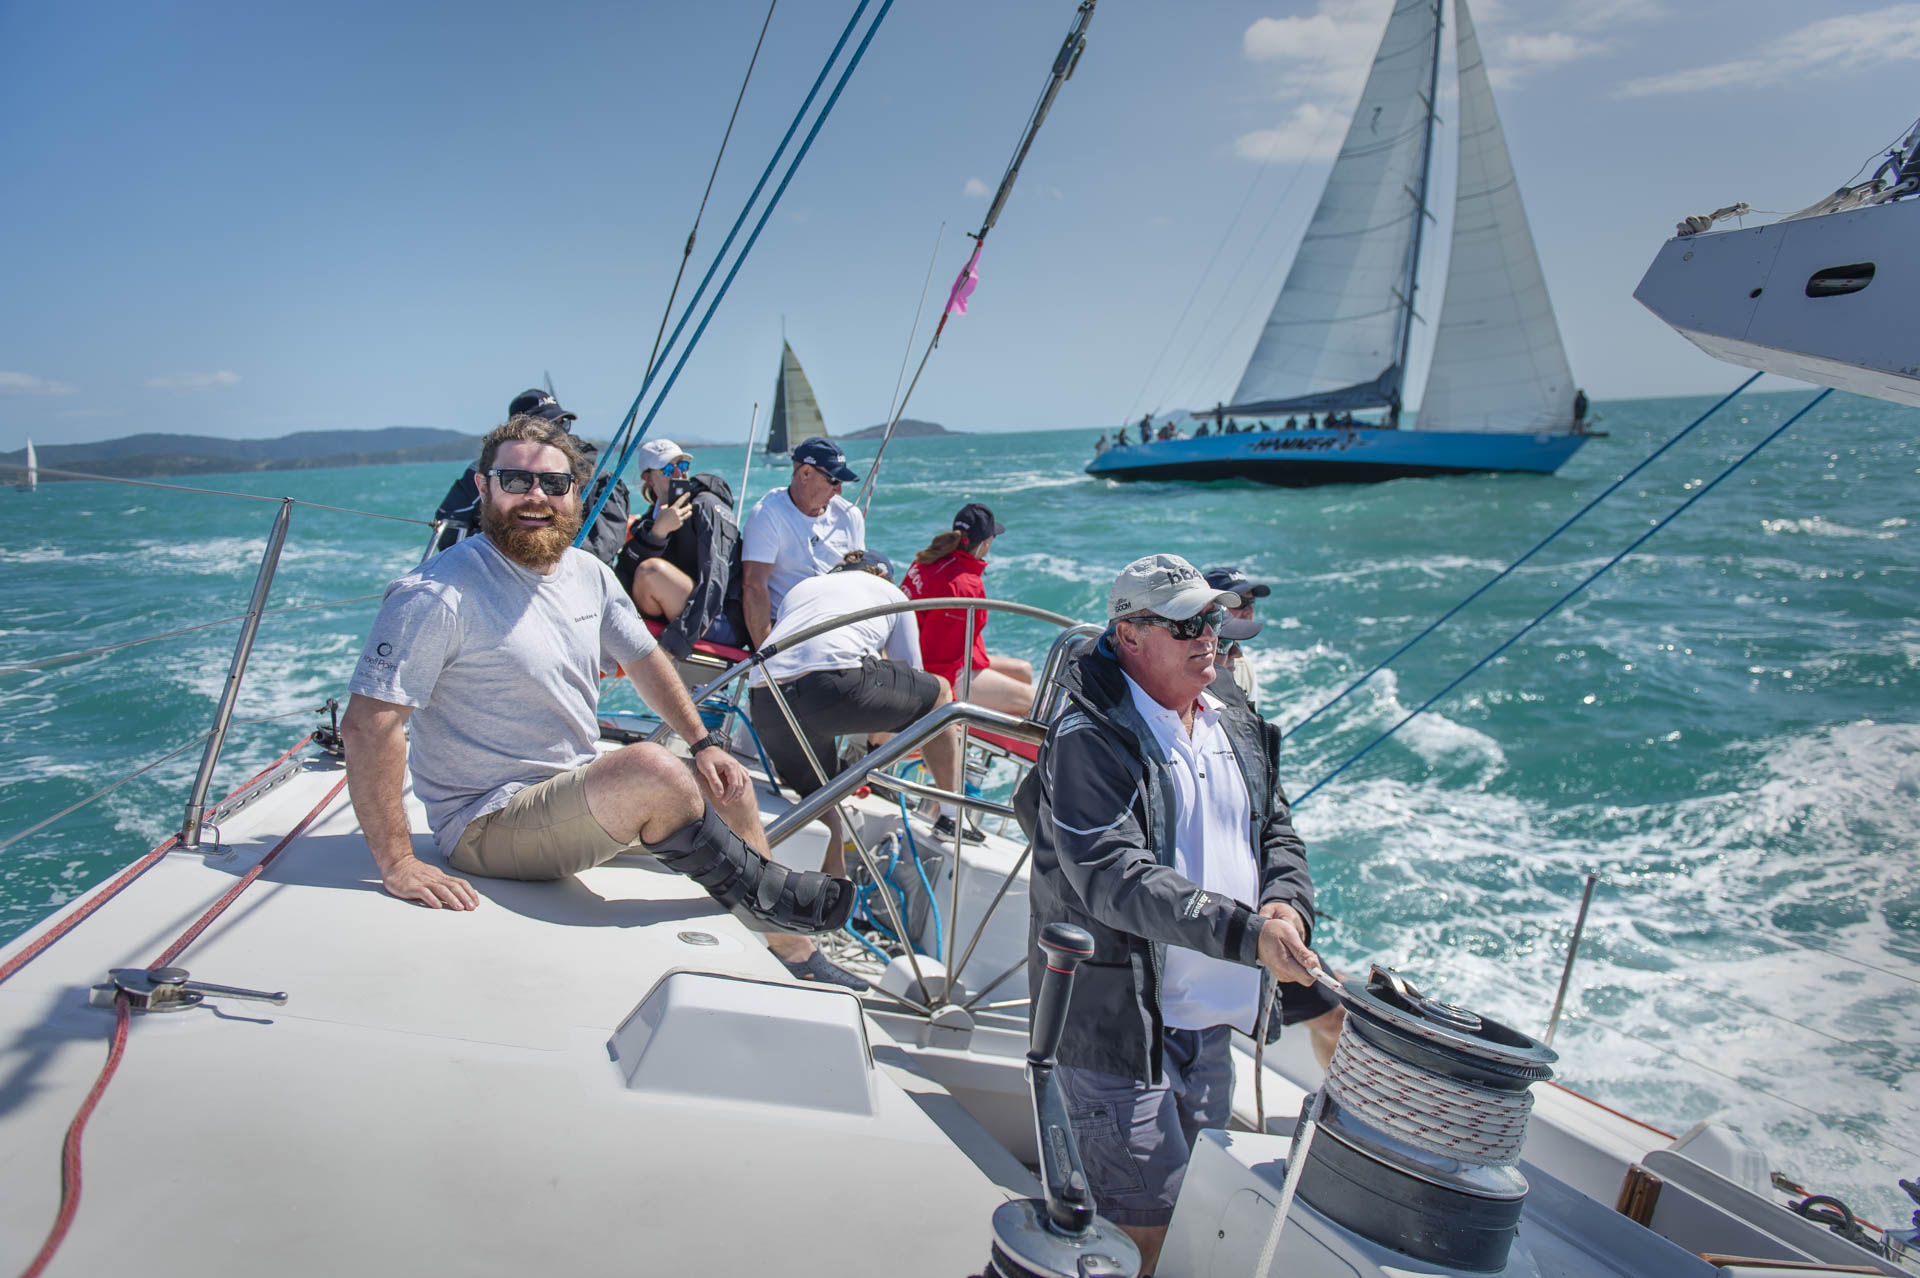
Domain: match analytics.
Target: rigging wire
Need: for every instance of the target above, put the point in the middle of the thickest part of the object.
(686, 254)
(1557, 604)
(633, 442)
(1504, 573)
(1260, 176)
(919, 308)
(1064, 62)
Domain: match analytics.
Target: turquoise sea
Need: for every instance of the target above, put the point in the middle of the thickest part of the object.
(1726, 727)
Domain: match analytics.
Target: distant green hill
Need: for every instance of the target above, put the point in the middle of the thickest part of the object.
(909, 428)
(143, 456)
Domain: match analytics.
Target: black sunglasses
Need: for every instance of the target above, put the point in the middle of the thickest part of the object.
(554, 483)
(1192, 628)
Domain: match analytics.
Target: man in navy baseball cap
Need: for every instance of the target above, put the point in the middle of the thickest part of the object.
(825, 455)
(539, 403)
(1230, 660)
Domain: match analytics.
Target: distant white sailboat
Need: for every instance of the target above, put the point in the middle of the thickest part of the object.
(1499, 393)
(796, 414)
(33, 472)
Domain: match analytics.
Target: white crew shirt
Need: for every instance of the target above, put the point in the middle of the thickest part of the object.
(799, 545)
(1213, 847)
(837, 594)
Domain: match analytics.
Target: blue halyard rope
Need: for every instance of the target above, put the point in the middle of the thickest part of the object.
(1502, 575)
(653, 366)
(745, 249)
(1562, 600)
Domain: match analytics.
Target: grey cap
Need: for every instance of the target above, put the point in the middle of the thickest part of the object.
(1166, 585)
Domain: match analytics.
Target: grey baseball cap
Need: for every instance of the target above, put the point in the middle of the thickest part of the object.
(1166, 585)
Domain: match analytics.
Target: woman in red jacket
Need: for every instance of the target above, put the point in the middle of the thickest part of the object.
(950, 567)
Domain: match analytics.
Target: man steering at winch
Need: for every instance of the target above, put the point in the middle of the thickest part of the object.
(1159, 826)
(492, 651)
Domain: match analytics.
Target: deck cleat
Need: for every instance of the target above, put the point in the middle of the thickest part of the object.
(167, 989)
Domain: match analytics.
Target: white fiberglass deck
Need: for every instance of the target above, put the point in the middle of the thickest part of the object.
(439, 1093)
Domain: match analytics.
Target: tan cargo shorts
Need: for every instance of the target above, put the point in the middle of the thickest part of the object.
(544, 832)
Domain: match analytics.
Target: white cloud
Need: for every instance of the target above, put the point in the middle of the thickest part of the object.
(1602, 15)
(28, 384)
(977, 190)
(1312, 132)
(1819, 49)
(192, 381)
(1326, 53)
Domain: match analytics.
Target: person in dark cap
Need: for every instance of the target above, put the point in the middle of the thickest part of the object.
(950, 568)
(797, 532)
(1231, 659)
(460, 508)
(1308, 1005)
(863, 677)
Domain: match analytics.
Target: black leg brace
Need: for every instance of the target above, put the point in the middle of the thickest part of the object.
(712, 855)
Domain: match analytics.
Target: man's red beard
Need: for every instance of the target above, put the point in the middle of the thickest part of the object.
(537, 548)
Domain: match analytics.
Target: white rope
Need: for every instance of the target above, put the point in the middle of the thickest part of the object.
(1296, 1164)
(1443, 1116)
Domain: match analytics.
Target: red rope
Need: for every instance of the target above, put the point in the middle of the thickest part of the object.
(232, 894)
(70, 1151)
(126, 876)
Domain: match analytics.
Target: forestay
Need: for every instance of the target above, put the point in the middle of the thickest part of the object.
(1498, 362)
(1338, 325)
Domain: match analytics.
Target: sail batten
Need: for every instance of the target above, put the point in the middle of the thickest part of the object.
(1350, 275)
(1498, 361)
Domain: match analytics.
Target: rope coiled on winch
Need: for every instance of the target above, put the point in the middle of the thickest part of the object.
(1478, 1125)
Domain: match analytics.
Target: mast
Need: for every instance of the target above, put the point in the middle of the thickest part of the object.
(1407, 313)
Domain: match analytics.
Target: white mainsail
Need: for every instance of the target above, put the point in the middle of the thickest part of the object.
(796, 414)
(1339, 323)
(33, 471)
(1498, 362)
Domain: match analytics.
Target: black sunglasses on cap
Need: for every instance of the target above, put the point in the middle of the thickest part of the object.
(1191, 628)
(554, 483)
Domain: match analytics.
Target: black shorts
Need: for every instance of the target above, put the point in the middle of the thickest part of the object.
(881, 696)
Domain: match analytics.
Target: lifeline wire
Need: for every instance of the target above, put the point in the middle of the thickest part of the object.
(1502, 575)
(1557, 604)
(745, 249)
(625, 439)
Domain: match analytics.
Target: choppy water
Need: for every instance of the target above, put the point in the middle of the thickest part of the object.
(1726, 727)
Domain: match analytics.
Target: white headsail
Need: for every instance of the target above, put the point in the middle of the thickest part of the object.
(1498, 363)
(1339, 322)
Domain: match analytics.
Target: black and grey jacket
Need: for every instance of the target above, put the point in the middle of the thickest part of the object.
(1100, 810)
(707, 549)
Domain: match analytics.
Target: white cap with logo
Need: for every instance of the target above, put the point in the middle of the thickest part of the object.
(1167, 586)
(656, 453)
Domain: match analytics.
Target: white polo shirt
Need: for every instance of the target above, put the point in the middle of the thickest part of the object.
(1213, 847)
(799, 545)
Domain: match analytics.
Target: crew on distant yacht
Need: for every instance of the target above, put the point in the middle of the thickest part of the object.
(681, 563)
(951, 567)
(1159, 826)
(488, 657)
(460, 509)
(797, 532)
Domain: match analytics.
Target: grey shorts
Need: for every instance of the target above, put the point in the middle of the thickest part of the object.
(1134, 1137)
(544, 832)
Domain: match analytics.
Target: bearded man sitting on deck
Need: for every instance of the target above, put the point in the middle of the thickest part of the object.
(493, 649)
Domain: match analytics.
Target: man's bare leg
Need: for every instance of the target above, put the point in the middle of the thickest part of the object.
(942, 750)
(642, 792)
(1149, 1239)
(1324, 1029)
(661, 590)
(997, 691)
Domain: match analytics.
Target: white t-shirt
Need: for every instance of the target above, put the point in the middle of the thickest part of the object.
(796, 544)
(502, 667)
(837, 594)
(1213, 846)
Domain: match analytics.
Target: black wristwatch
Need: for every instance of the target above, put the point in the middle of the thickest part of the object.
(711, 739)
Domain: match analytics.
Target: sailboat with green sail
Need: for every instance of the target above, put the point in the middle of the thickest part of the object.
(796, 413)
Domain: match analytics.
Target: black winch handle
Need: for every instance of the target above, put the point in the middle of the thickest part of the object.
(1066, 946)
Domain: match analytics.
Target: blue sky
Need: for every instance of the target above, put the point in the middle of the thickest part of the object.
(246, 220)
